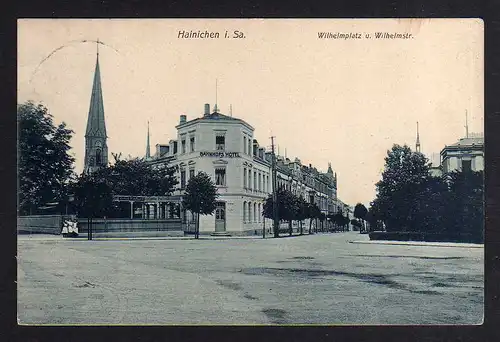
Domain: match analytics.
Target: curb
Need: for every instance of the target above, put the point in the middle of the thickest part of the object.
(425, 244)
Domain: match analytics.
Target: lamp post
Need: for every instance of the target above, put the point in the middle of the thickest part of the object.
(275, 196)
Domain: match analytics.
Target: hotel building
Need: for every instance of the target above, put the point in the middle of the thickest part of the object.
(224, 147)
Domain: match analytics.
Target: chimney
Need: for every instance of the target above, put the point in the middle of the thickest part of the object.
(207, 109)
(183, 119)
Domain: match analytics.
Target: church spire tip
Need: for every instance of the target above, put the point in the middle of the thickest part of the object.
(417, 144)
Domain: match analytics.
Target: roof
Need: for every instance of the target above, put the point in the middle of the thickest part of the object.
(218, 116)
(213, 117)
(469, 142)
(95, 122)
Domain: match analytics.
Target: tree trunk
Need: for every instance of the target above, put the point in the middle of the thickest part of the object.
(88, 228)
(197, 229)
(301, 232)
(276, 229)
(290, 229)
(310, 225)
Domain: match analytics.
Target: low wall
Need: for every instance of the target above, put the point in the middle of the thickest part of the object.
(129, 225)
(427, 237)
(40, 224)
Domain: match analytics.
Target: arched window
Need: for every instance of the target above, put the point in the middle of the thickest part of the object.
(98, 159)
(244, 212)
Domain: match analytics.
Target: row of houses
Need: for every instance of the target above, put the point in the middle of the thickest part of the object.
(224, 147)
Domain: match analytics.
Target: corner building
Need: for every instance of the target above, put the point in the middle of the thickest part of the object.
(224, 147)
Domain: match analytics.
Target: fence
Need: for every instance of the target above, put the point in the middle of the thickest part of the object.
(129, 225)
(40, 224)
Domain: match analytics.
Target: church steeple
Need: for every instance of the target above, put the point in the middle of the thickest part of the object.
(96, 149)
(330, 171)
(148, 150)
(417, 144)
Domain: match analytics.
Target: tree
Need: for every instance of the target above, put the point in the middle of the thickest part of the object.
(356, 223)
(465, 212)
(314, 213)
(371, 220)
(403, 178)
(302, 211)
(287, 208)
(344, 222)
(136, 177)
(93, 198)
(200, 197)
(360, 211)
(44, 164)
(339, 219)
(322, 219)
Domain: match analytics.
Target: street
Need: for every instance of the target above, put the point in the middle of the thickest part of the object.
(318, 279)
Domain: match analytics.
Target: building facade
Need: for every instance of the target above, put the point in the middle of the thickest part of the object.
(224, 147)
(466, 154)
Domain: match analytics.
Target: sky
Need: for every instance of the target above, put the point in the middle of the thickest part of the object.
(343, 101)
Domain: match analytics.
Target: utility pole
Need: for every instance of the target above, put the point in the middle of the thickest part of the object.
(275, 195)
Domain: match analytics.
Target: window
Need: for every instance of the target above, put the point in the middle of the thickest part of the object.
(244, 177)
(244, 144)
(255, 181)
(260, 182)
(249, 147)
(191, 173)
(259, 213)
(191, 142)
(220, 177)
(183, 144)
(244, 212)
(255, 212)
(219, 214)
(220, 142)
(98, 160)
(250, 179)
(466, 165)
(249, 212)
(183, 179)
(175, 147)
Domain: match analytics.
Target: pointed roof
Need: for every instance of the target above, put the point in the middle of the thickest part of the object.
(148, 151)
(417, 144)
(96, 126)
(330, 168)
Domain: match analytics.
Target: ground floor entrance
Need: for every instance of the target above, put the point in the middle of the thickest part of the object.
(220, 217)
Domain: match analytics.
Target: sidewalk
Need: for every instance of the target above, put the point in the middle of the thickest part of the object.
(421, 243)
(83, 237)
(137, 236)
